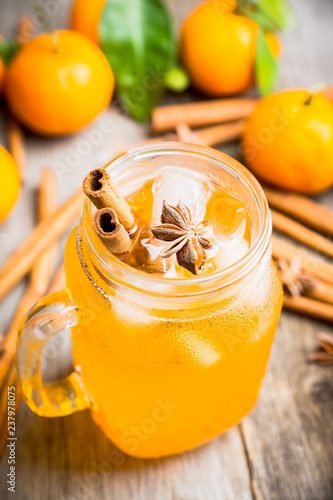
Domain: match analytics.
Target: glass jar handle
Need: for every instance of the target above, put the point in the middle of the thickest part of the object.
(51, 315)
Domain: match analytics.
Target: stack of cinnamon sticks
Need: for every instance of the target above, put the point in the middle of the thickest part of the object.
(225, 117)
(40, 283)
(303, 220)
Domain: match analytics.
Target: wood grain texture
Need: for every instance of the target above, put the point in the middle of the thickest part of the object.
(284, 449)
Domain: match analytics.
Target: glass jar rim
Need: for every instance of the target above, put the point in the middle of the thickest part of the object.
(117, 271)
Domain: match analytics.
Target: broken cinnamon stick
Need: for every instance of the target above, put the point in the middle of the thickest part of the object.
(44, 234)
(309, 307)
(310, 263)
(197, 114)
(112, 234)
(288, 226)
(210, 136)
(103, 193)
(303, 209)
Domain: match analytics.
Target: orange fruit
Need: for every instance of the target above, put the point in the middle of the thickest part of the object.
(85, 17)
(10, 184)
(58, 83)
(218, 48)
(288, 141)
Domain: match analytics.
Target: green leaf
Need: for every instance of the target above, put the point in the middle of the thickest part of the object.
(266, 66)
(278, 11)
(8, 49)
(271, 15)
(264, 21)
(138, 39)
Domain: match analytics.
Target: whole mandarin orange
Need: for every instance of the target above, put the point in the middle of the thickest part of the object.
(288, 141)
(85, 17)
(10, 184)
(58, 83)
(218, 48)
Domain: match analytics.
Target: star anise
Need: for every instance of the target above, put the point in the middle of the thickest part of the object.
(294, 279)
(324, 355)
(186, 238)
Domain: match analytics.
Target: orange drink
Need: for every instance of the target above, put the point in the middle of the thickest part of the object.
(165, 359)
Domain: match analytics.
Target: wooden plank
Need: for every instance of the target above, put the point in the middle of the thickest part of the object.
(71, 458)
(289, 435)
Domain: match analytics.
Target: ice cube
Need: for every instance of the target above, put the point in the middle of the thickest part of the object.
(174, 184)
(228, 255)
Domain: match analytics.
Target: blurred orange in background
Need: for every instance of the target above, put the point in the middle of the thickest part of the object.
(288, 141)
(218, 48)
(58, 83)
(10, 183)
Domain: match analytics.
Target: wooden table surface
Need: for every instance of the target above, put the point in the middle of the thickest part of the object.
(284, 449)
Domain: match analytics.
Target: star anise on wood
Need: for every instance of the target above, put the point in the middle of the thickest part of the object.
(186, 238)
(294, 279)
(324, 355)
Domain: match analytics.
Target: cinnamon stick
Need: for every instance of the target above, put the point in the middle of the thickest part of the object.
(219, 134)
(44, 234)
(197, 114)
(59, 280)
(40, 274)
(321, 291)
(309, 307)
(112, 234)
(43, 267)
(103, 193)
(210, 136)
(25, 29)
(295, 230)
(303, 209)
(322, 357)
(15, 143)
(310, 263)
(39, 282)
